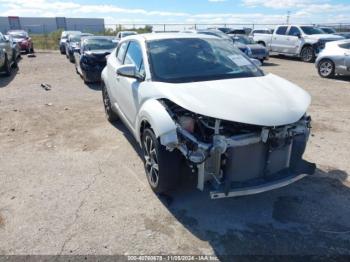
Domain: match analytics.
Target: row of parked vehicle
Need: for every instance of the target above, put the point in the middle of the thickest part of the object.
(12, 44)
(330, 49)
(88, 52)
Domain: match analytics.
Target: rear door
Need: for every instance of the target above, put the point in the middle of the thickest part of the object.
(279, 40)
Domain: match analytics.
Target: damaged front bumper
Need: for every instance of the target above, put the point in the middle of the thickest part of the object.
(247, 163)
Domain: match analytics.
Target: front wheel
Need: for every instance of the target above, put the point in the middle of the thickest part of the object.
(326, 68)
(7, 67)
(307, 54)
(162, 166)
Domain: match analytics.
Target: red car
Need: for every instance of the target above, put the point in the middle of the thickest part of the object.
(23, 40)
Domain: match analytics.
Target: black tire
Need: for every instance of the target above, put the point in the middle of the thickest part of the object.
(110, 114)
(7, 67)
(262, 43)
(326, 68)
(262, 61)
(71, 59)
(156, 156)
(15, 64)
(307, 54)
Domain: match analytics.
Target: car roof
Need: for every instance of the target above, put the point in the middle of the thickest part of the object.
(156, 36)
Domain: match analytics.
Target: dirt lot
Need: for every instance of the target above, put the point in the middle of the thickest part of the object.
(71, 183)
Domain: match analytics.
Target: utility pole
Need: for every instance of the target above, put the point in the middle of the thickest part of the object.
(288, 17)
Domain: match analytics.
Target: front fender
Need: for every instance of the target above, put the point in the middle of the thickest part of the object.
(104, 75)
(161, 123)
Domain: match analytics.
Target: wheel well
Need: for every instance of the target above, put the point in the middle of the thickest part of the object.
(262, 43)
(306, 45)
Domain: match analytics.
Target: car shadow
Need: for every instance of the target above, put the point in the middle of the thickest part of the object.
(269, 64)
(342, 78)
(305, 218)
(95, 86)
(5, 80)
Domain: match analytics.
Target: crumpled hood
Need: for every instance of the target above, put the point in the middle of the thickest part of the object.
(266, 101)
(328, 37)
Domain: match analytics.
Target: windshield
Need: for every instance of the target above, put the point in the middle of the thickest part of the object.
(194, 59)
(244, 40)
(328, 30)
(310, 30)
(75, 38)
(99, 44)
(128, 33)
(18, 35)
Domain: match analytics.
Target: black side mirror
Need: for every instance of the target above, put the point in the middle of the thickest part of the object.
(298, 35)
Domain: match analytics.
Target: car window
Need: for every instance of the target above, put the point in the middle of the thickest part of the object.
(345, 46)
(294, 31)
(134, 55)
(310, 30)
(281, 30)
(121, 51)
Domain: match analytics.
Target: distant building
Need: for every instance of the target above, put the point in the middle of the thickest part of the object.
(43, 25)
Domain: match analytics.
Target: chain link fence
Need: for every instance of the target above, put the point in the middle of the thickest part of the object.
(47, 37)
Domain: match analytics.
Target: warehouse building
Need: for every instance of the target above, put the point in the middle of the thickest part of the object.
(43, 25)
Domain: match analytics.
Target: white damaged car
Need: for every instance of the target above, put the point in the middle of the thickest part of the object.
(195, 100)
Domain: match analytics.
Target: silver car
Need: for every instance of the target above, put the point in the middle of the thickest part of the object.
(334, 59)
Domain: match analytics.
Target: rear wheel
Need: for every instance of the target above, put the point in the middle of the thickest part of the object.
(307, 54)
(326, 68)
(110, 114)
(162, 166)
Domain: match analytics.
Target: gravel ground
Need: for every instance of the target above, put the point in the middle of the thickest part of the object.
(71, 183)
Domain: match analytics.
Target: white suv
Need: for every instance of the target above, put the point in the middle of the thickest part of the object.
(192, 99)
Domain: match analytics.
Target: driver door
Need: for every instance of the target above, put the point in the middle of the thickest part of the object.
(127, 91)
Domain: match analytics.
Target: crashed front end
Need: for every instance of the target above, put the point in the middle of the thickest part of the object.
(240, 159)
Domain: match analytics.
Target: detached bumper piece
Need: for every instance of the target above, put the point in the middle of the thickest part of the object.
(255, 186)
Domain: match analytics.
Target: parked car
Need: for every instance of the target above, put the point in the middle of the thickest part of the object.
(254, 50)
(73, 42)
(346, 35)
(237, 32)
(7, 57)
(63, 40)
(225, 30)
(90, 59)
(300, 41)
(122, 34)
(328, 30)
(223, 36)
(23, 39)
(334, 59)
(15, 47)
(192, 99)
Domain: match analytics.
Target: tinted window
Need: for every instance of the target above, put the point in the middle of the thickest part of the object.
(133, 55)
(194, 59)
(121, 51)
(345, 46)
(294, 31)
(281, 30)
(99, 44)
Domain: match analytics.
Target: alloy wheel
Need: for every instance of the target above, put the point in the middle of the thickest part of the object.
(326, 68)
(151, 161)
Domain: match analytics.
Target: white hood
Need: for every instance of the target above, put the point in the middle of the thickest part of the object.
(324, 37)
(267, 101)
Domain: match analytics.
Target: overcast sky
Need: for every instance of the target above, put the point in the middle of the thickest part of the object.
(185, 11)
